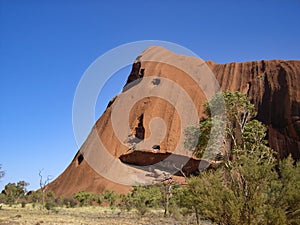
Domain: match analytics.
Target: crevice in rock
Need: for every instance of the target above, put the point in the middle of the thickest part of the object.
(139, 130)
(135, 73)
(142, 73)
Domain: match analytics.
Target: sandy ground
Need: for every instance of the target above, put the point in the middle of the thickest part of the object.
(16, 215)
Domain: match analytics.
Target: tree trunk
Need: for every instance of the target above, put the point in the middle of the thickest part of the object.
(43, 199)
(197, 216)
(166, 200)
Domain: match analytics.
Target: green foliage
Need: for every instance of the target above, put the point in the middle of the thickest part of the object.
(84, 198)
(50, 196)
(14, 192)
(145, 197)
(229, 112)
(250, 186)
(49, 205)
(196, 138)
(191, 134)
(69, 202)
(286, 196)
(247, 189)
(2, 198)
(35, 196)
(99, 199)
(110, 197)
(125, 202)
(249, 192)
(50, 202)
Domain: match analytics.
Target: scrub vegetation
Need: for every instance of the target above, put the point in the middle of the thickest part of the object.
(250, 185)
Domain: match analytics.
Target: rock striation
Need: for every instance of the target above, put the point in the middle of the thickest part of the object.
(132, 135)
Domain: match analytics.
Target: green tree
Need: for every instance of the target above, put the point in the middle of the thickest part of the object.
(145, 197)
(21, 185)
(14, 192)
(208, 198)
(35, 197)
(285, 196)
(247, 188)
(250, 192)
(233, 119)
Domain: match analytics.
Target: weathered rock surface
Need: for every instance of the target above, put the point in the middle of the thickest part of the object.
(273, 86)
(172, 163)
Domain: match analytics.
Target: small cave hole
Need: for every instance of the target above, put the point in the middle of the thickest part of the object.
(80, 159)
(156, 81)
(156, 147)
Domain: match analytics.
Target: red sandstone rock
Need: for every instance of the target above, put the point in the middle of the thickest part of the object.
(273, 86)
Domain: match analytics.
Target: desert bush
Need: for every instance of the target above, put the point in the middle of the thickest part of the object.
(250, 187)
(110, 197)
(50, 196)
(145, 197)
(251, 192)
(13, 192)
(125, 202)
(69, 202)
(49, 205)
(99, 199)
(35, 197)
(59, 201)
(2, 198)
(84, 198)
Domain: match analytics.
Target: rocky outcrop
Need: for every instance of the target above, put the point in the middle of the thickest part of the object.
(127, 130)
(274, 88)
(179, 165)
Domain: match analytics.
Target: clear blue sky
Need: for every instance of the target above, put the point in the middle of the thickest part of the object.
(45, 47)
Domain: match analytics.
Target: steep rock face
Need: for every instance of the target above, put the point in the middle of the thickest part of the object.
(79, 176)
(273, 86)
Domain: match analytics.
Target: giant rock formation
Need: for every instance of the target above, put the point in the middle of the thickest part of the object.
(273, 86)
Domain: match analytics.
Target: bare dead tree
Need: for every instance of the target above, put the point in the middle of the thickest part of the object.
(43, 185)
(180, 170)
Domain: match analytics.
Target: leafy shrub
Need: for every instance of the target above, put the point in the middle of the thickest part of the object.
(250, 187)
(69, 202)
(110, 197)
(84, 198)
(145, 197)
(49, 205)
(125, 202)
